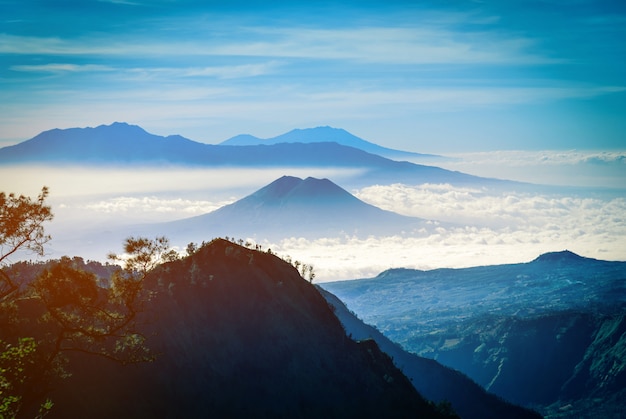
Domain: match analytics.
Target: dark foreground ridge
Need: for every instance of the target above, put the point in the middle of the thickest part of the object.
(433, 380)
(240, 334)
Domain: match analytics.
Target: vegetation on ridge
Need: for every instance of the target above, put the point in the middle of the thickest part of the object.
(63, 309)
(238, 332)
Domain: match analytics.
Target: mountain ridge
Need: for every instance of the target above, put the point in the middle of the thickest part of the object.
(554, 257)
(326, 134)
(545, 334)
(430, 378)
(123, 144)
(239, 333)
(116, 142)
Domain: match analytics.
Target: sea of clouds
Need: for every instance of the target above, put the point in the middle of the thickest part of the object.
(481, 227)
(490, 229)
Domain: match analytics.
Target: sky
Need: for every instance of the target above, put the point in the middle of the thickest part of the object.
(430, 76)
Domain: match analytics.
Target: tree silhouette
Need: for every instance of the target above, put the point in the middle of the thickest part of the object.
(191, 248)
(21, 228)
(64, 309)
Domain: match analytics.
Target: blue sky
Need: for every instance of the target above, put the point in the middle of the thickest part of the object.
(439, 76)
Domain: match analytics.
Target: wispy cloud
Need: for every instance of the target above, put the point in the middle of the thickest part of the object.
(61, 68)
(545, 157)
(125, 2)
(455, 98)
(150, 207)
(155, 73)
(220, 72)
(372, 44)
(417, 45)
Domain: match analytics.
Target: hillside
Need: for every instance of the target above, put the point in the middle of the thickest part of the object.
(433, 380)
(547, 334)
(239, 333)
(291, 206)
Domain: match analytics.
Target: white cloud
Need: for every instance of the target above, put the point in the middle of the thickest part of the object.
(61, 68)
(369, 44)
(384, 44)
(489, 228)
(350, 258)
(94, 184)
(585, 168)
(124, 2)
(543, 157)
(493, 229)
(220, 72)
(478, 207)
(155, 73)
(152, 207)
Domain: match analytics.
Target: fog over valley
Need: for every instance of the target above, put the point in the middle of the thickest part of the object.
(487, 226)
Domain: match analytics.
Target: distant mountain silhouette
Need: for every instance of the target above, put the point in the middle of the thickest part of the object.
(327, 134)
(546, 334)
(296, 207)
(118, 142)
(239, 334)
(125, 144)
(564, 256)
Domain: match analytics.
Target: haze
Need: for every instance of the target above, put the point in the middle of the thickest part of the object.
(490, 228)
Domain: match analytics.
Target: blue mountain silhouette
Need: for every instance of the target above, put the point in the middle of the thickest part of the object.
(326, 134)
(121, 143)
(294, 207)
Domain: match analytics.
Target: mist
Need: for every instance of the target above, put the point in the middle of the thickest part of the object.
(96, 208)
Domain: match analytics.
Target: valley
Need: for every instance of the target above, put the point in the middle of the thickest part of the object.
(545, 334)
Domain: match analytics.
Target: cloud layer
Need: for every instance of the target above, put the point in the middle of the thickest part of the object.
(486, 227)
(492, 230)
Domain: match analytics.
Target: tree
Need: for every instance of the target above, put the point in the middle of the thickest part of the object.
(64, 309)
(311, 274)
(191, 248)
(21, 228)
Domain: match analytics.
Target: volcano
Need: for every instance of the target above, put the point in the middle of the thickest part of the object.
(295, 207)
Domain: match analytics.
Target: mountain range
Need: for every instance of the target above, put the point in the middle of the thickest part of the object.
(328, 134)
(124, 144)
(548, 334)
